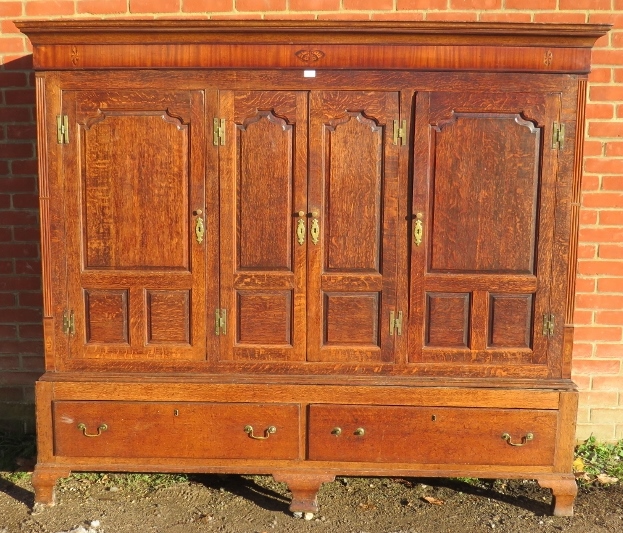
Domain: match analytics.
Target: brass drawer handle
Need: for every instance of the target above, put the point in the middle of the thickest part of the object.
(524, 440)
(267, 432)
(336, 431)
(83, 427)
(360, 432)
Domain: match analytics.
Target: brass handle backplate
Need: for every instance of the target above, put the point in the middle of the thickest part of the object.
(524, 440)
(83, 428)
(418, 230)
(314, 230)
(199, 226)
(267, 432)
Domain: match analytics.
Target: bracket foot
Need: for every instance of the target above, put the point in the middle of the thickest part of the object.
(564, 490)
(304, 489)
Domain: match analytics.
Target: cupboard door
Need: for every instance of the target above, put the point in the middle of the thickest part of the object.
(263, 189)
(352, 234)
(483, 200)
(134, 185)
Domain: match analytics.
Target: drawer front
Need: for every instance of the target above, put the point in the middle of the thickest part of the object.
(432, 435)
(176, 429)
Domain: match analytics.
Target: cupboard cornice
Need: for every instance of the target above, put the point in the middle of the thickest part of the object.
(76, 45)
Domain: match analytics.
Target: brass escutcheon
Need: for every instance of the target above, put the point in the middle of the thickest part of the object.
(315, 231)
(524, 440)
(418, 230)
(267, 432)
(199, 228)
(83, 427)
(300, 231)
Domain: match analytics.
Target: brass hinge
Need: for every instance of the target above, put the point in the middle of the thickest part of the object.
(548, 325)
(395, 323)
(68, 322)
(558, 136)
(219, 131)
(220, 324)
(62, 129)
(400, 132)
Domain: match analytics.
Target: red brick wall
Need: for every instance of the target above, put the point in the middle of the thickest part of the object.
(599, 305)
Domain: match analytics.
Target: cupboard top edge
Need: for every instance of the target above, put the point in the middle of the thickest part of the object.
(339, 32)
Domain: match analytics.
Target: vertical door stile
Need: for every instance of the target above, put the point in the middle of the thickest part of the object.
(403, 229)
(420, 204)
(548, 348)
(315, 201)
(213, 231)
(301, 174)
(70, 163)
(198, 211)
(227, 212)
(388, 227)
(52, 163)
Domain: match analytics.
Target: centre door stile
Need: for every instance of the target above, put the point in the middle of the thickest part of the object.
(405, 222)
(417, 253)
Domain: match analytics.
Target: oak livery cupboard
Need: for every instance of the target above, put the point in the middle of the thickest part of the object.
(309, 249)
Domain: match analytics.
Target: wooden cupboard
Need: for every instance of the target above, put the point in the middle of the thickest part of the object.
(309, 249)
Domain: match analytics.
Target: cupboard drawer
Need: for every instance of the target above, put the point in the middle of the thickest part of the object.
(431, 435)
(176, 429)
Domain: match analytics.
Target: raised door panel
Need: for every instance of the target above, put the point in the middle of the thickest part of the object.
(263, 189)
(352, 239)
(483, 197)
(134, 178)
